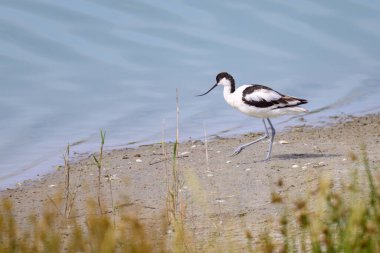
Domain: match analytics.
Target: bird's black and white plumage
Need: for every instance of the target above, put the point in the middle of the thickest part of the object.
(258, 101)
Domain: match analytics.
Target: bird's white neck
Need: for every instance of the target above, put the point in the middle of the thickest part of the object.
(228, 96)
(230, 84)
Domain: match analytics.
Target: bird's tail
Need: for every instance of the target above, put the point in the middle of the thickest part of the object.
(293, 104)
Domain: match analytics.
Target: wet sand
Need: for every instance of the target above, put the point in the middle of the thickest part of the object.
(220, 192)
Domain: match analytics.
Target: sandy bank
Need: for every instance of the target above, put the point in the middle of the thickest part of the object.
(224, 192)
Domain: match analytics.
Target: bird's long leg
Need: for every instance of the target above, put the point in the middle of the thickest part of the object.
(271, 140)
(240, 148)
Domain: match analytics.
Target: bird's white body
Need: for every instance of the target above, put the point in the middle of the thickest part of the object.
(235, 100)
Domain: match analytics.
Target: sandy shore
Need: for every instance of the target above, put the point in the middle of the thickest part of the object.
(228, 193)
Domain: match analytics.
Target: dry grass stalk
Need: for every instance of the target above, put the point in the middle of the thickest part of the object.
(99, 166)
(109, 177)
(173, 193)
(66, 158)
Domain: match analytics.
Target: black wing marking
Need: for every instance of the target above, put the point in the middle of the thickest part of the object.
(264, 97)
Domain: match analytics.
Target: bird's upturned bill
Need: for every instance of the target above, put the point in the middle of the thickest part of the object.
(208, 90)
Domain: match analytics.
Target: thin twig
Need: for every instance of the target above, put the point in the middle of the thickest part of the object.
(112, 203)
(99, 165)
(55, 205)
(166, 159)
(66, 158)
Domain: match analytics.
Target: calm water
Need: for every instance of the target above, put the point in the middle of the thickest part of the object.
(70, 68)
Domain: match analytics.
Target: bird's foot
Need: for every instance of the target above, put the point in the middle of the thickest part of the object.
(237, 151)
(266, 159)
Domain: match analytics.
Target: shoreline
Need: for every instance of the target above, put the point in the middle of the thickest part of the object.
(41, 167)
(217, 188)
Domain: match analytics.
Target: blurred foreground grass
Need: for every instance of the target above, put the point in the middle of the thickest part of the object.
(330, 219)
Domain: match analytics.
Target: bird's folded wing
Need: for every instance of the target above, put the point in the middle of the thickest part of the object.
(264, 97)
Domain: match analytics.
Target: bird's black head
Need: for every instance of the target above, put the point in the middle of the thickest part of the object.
(222, 75)
(224, 79)
(229, 80)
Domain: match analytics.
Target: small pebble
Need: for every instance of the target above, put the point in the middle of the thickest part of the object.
(52, 185)
(138, 160)
(294, 166)
(194, 146)
(185, 153)
(283, 142)
(114, 177)
(304, 167)
(228, 162)
(210, 175)
(248, 169)
(218, 151)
